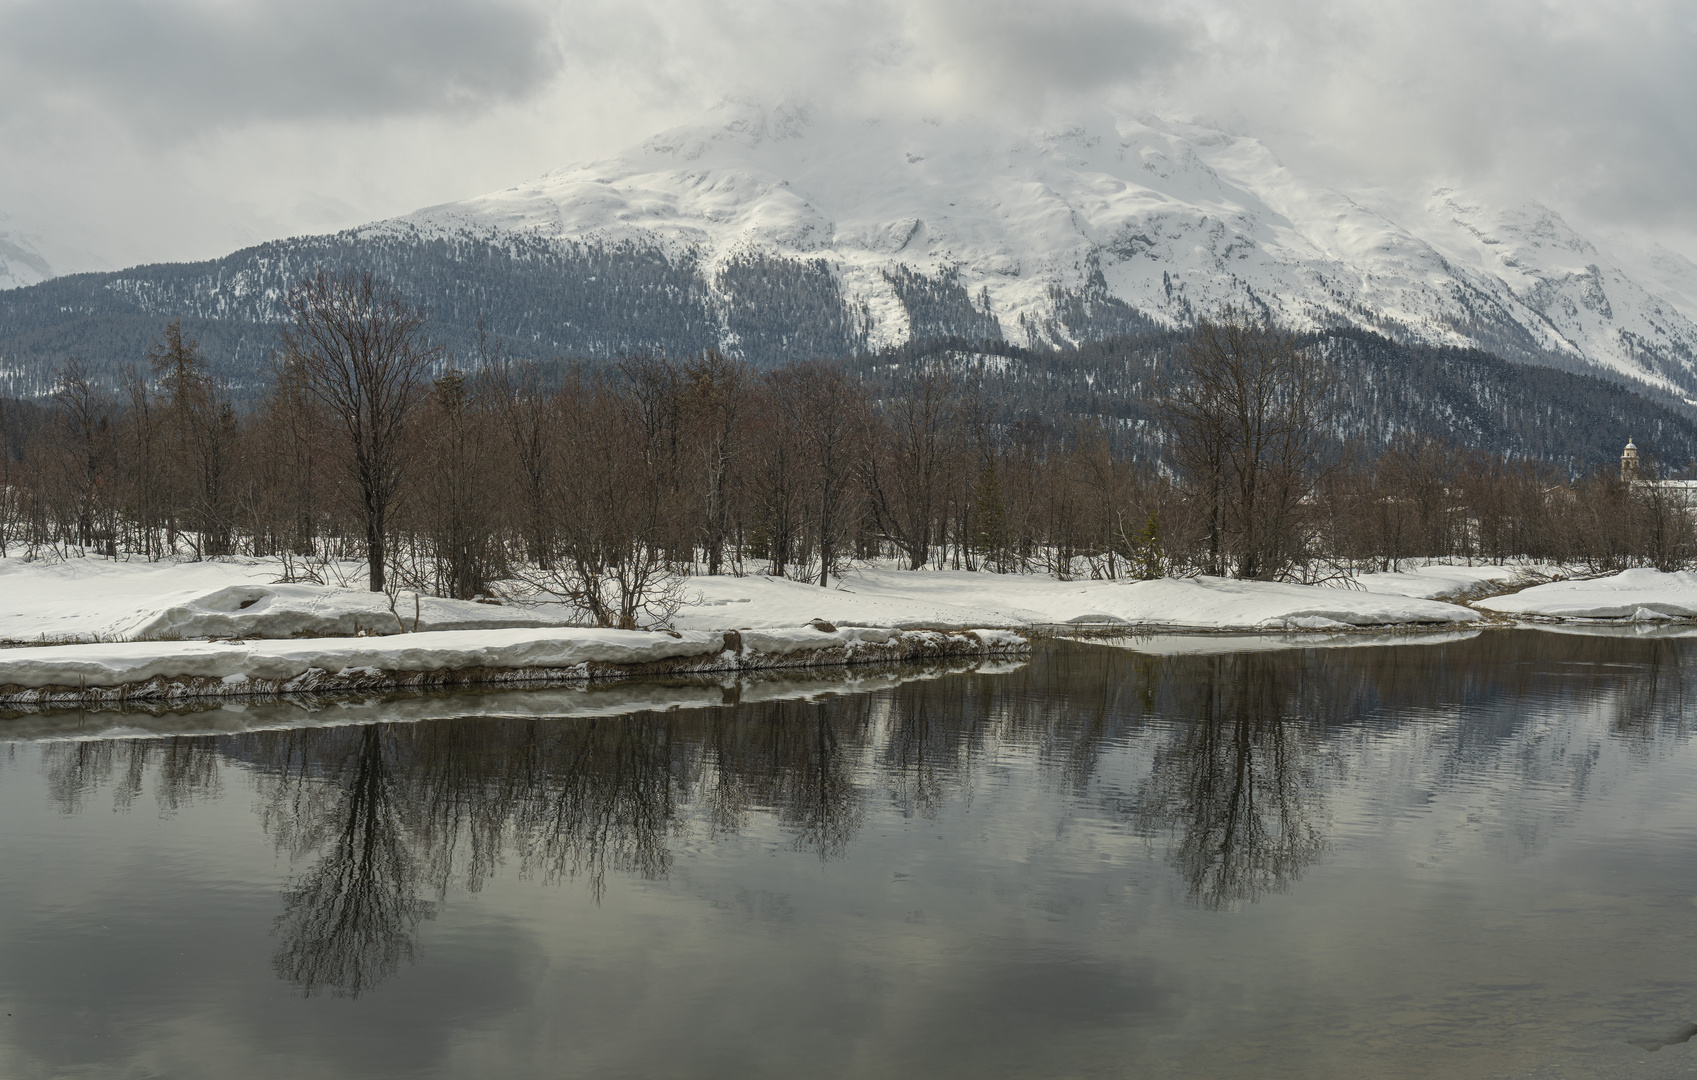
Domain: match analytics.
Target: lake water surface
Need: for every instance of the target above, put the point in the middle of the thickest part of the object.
(1470, 857)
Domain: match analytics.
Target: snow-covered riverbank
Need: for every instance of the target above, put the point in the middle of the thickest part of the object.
(142, 671)
(1638, 596)
(573, 700)
(99, 600)
(96, 631)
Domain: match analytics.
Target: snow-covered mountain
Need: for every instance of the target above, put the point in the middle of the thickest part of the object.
(20, 261)
(790, 233)
(1046, 230)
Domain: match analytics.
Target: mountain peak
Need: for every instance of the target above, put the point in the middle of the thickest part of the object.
(1171, 219)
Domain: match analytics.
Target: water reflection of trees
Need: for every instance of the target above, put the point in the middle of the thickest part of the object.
(184, 770)
(1231, 761)
(394, 813)
(349, 921)
(1237, 779)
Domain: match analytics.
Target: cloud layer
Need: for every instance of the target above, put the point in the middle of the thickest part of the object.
(179, 65)
(178, 128)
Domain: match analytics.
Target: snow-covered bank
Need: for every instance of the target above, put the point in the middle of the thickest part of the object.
(566, 701)
(143, 671)
(1435, 580)
(942, 598)
(99, 600)
(1641, 595)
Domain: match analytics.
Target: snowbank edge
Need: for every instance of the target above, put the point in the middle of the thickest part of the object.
(155, 671)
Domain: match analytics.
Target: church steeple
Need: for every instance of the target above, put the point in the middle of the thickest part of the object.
(1629, 463)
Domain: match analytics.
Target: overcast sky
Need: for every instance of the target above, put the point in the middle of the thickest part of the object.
(170, 129)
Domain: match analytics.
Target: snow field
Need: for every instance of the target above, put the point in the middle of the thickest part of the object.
(936, 598)
(99, 600)
(1445, 579)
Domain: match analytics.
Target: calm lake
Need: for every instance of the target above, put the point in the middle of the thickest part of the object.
(1444, 857)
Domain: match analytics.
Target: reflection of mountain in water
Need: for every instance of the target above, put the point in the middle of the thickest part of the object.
(1227, 759)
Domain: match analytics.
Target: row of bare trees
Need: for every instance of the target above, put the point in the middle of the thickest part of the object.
(607, 484)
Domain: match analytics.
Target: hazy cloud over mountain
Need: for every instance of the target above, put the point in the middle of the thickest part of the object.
(181, 128)
(176, 66)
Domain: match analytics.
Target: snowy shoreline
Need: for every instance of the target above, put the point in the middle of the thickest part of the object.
(1641, 595)
(100, 632)
(595, 699)
(141, 672)
(96, 600)
(94, 632)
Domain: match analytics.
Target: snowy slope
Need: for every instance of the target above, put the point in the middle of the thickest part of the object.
(21, 263)
(1174, 219)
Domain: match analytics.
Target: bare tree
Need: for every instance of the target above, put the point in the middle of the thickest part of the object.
(777, 475)
(1249, 424)
(606, 499)
(716, 400)
(833, 423)
(515, 393)
(459, 507)
(294, 429)
(200, 429)
(149, 499)
(911, 458)
(87, 455)
(360, 346)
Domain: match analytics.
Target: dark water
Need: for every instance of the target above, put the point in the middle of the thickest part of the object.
(1457, 859)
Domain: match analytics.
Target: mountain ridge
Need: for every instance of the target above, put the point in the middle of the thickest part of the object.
(783, 232)
(1172, 219)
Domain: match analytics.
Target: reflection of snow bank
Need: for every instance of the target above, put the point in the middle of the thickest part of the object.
(142, 671)
(1633, 596)
(1220, 644)
(576, 700)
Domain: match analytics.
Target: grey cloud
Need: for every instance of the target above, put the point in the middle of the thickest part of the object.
(1589, 107)
(1075, 46)
(986, 54)
(181, 63)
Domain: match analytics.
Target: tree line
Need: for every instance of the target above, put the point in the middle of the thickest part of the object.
(607, 484)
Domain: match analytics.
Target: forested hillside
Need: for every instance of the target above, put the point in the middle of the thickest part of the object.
(543, 299)
(548, 301)
(1382, 392)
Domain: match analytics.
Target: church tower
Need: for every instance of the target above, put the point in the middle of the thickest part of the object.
(1629, 463)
